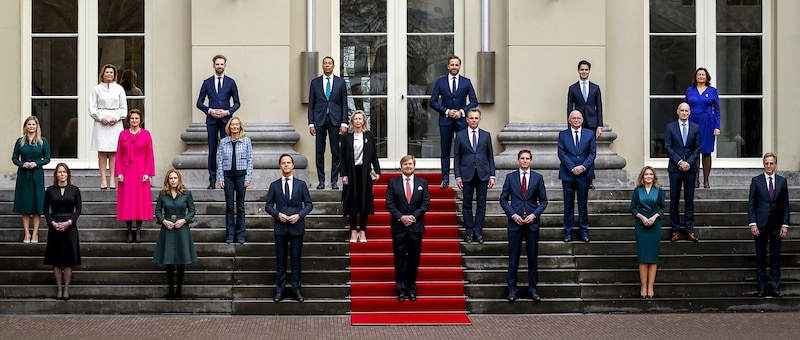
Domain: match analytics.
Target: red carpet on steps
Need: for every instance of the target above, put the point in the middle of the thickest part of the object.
(440, 284)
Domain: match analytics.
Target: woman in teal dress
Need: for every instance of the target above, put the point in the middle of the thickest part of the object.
(31, 152)
(647, 207)
(175, 246)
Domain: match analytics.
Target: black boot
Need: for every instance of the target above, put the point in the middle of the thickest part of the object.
(171, 282)
(179, 290)
(138, 231)
(130, 235)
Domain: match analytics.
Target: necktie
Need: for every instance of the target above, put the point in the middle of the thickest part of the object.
(408, 190)
(585, 91)
(771, 189)
(474, 141)
(286, 189)
(524, 190)
(454, 87)
(684, 133)
(577, 139)
(219, 84)
(327, 87)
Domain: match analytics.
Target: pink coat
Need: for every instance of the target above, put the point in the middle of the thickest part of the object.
(134, 160)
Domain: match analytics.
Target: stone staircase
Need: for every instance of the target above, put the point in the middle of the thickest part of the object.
(716, 274)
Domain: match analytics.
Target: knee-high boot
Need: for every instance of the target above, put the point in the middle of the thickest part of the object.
(170, 282)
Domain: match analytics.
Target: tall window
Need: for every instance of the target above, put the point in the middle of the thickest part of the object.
(724, 36)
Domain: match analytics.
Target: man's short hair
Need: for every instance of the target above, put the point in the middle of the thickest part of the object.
(219, 56)
(519, 154)
(285, 155)
(584, 62)
(406, 158)
(769, 154)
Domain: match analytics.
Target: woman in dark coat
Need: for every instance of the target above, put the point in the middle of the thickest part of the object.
(647, 207)
(31, 152)
(175, 246)
(62, 207)
(359, 164)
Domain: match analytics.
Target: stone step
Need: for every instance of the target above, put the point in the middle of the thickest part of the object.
(156, 277)
(130, 263)
(158, 290)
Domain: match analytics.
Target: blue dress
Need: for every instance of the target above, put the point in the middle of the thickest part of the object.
(648, 239)
(705, 112)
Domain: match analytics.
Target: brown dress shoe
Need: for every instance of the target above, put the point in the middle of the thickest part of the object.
(674, 237)
(691, 237)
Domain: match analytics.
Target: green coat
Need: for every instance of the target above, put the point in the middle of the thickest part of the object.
(175, 246)
(29, 191)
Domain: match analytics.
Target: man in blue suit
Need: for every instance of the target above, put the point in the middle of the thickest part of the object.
(682, 142)
(288, 202)
(585, 97)
(475, 172)
(407, 200)
(768, 214)
(327, 118)
(523, 199)
(577, 149)
(453, 90)
(220, 91)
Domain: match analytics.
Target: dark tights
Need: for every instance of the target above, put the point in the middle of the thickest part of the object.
(138, 238)
(173, 291)
(706, 157)
(360, 218)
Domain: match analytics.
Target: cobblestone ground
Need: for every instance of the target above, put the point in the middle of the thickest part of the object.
(593, 326)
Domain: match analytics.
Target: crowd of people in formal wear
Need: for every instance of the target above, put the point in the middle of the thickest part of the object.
(128, 154)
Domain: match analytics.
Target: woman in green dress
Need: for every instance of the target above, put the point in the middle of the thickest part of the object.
(647, 207)
(31, 152)
(175, 246)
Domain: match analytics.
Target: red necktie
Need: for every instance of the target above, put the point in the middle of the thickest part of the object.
(771, 189)
(408, 190)
(524, 190)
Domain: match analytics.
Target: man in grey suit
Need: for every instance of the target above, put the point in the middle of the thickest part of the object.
(327, 118)
(475, 172)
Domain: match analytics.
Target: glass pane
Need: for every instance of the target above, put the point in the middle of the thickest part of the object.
(363, 64)
(662, 112)
(362, 16)
(375, 108)
(739, 64)
(127, 54)
(59, 120)
(672, 16)
(740, 133)
(672, 64)
(431, 16)
(427, 61)
(55, 66)
(738, 16)
(55, 16)
(120, 16)
(423, 129)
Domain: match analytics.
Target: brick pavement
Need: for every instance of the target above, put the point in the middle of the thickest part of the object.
(590, 326)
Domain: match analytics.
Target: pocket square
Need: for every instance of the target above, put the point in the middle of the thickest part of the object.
(419, 188)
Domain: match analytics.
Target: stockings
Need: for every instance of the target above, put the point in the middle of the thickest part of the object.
(175, 293)
(138, 238)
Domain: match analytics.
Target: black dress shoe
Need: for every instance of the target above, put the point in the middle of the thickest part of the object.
(468, 238)
(335, 186)
(445, 184)
(480, 239)
(401, 296)
(512, 297)
(320, 186)
(585, 238)
(760, 293)
(211, 186)
(278, 297)
(567, 238)
(591, 186)
(412, 295)
(777, 293)
(535, 297)
(299, 296)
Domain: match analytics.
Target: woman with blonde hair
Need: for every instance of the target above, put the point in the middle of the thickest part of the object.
(175, 246)
(647, 207)
(31, 152)
(234, 173)
(108, 107)
(359, 162)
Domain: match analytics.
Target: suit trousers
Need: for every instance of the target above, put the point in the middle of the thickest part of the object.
(531, 249)
(579, 185)
(407, 248)
(446, 132)
(216, 132)
(474, 224)
(684, 180)
(331, 132)
(285, 245)
(234, 215)
(771, 235)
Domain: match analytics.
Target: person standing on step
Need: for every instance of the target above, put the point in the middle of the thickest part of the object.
(647, 207)
(407, 200)
(576, 151)
(31, 152)
(234, 174)
(327, 118)
(359, 164)
(703, 100)
(682, 143)
(288, 202)
(135, 166)
(62, 207)
(453, 90)
(768, 214)
(220, 90)
(585, 97)
(475, 172)
(523, 199)
(108, 106)
(175, 246)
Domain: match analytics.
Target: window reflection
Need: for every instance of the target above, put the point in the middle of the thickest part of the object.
(55, 16)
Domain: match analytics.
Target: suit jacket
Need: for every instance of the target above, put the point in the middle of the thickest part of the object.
(348, 168)
(765, 212)
(397, 206)
(592, 107)
(534, 202)
(221, 100)
(457, 100)
(570, 156)
(320, 107)
(677, 151)
(300, 203)
(469, 163)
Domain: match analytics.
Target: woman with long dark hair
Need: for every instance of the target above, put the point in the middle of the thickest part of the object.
(62, 207)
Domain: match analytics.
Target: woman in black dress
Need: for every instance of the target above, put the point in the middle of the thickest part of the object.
(359, 163)
(62, 207)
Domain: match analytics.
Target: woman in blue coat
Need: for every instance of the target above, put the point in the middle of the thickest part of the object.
(704, 102)
(647, 207)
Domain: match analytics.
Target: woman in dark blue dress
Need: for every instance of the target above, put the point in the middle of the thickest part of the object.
(647, 207)
(62, 207)
(704, 102)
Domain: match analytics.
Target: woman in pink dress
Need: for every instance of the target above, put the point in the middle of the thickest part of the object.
(135, 165)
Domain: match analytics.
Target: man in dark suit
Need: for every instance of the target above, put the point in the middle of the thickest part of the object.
(327, 118)
(576, 151)
(288, 202)
(220, 91)
(768, 214)
(453, 90)
(682, 142)
(523, 199)
(475, 172)
(585, 97)
(407, 200)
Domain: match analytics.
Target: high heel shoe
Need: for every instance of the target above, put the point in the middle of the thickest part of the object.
(362, 237)
(35, 239)
(706, 185)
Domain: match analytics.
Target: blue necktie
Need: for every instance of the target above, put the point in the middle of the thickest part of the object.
(219, 84)
(683, 133)
(286, 189)
(454, 88)
(327, 87)
(474, 141)
(585, 91)
(577, 139)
